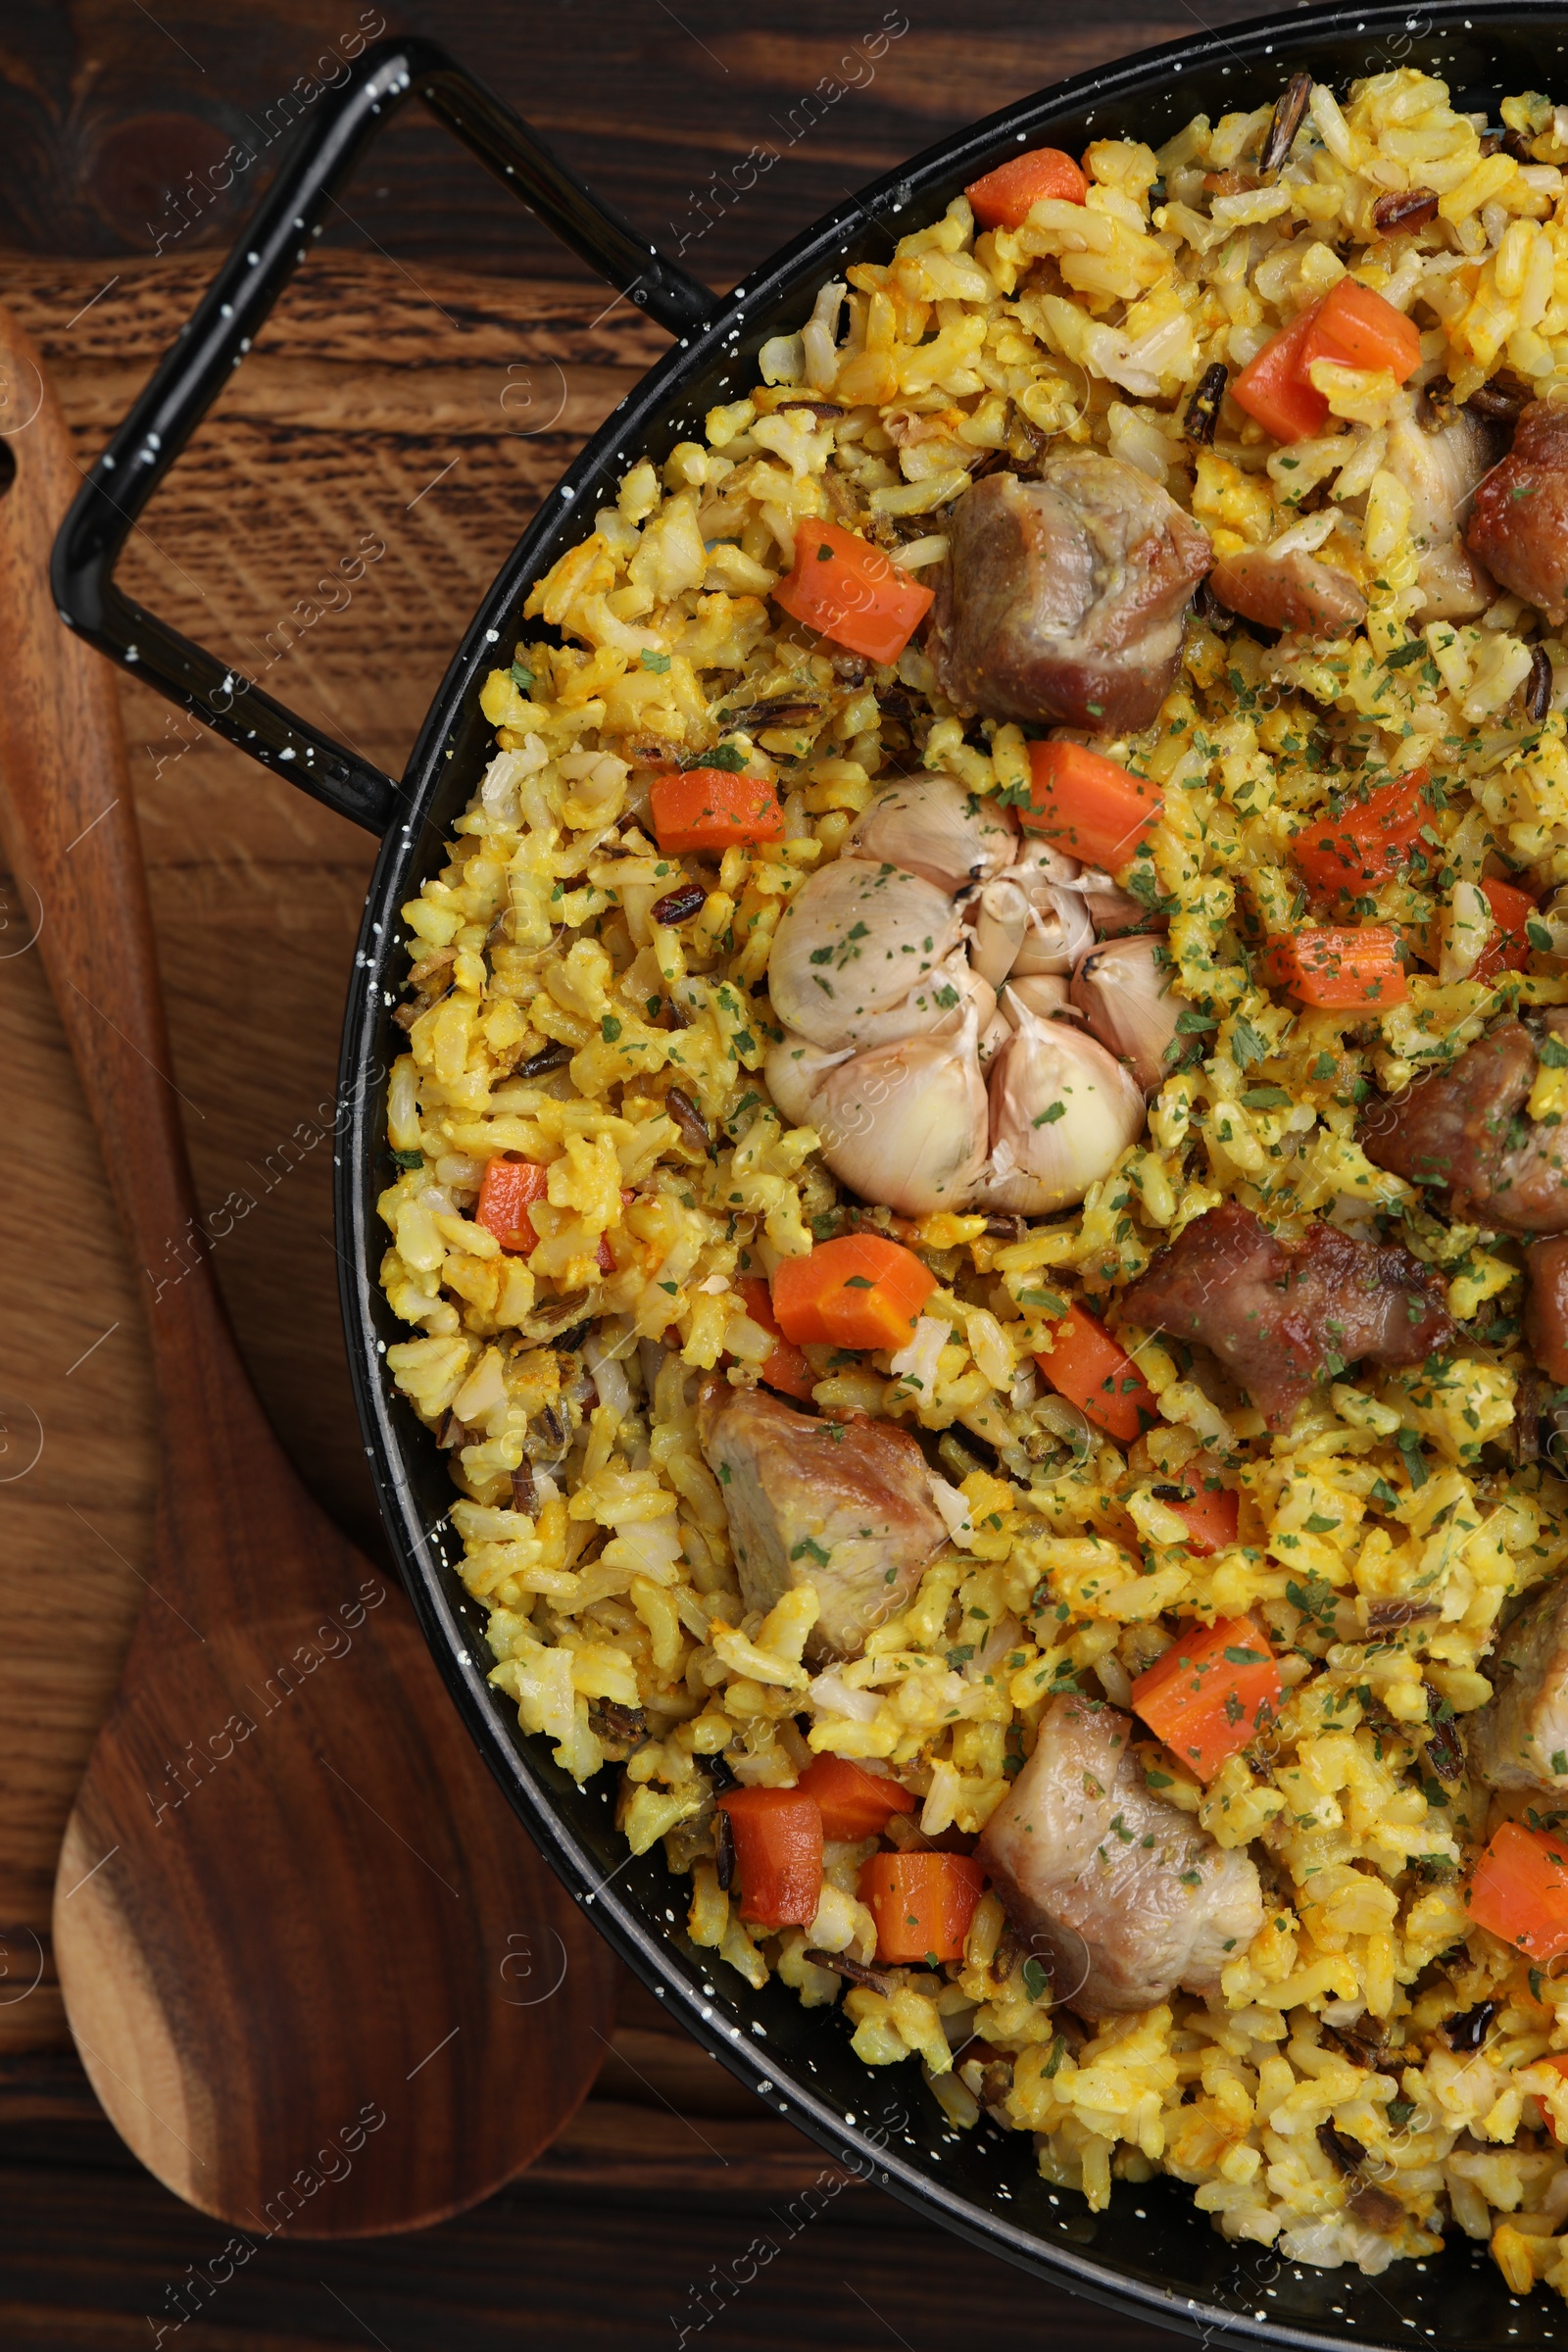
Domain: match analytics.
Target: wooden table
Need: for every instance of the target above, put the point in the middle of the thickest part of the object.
(420, 404)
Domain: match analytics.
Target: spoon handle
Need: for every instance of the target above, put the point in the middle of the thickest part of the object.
(68, 824)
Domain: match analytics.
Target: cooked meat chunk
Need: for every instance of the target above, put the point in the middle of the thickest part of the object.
(1520, 1737)
(1519, 520)
(1464, 1129)
(1121, 1893)
(1064, 598)
(1546, 1308)
(1293, 592)
(1441, 471)
(1281, 1315)
(844, 1505)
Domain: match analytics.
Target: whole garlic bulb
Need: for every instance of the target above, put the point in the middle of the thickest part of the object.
(907, 1124)
(1123, 990)
(935, 827)
(1062, 1113)
(853, 944)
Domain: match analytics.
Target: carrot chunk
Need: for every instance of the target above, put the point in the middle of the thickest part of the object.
(1369, 841)
(1336, 970)
(1215, 1689)
(1004, 197)
(778, 1854)
(1355, 326)
(1096, 1373)
(506, 1189)
(1211, 1515)
(854, 1803)
(922, 1904)
(786, 1368)
(862, 1292)
(1097, 809)
(847, 589)
(1520, 1891)
(1509, 948)
(710, 809)
(1273, 388)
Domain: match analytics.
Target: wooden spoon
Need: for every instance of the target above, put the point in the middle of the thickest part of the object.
(319, 1976)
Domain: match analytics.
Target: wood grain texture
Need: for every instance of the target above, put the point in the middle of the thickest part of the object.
(114, 124)
(268, 1953)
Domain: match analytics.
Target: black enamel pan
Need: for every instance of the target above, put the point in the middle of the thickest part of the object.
(1151, 2255)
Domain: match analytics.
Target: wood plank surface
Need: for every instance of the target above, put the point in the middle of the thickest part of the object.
(423, 385)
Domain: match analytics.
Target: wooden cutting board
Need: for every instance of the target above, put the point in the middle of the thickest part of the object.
(414, 426)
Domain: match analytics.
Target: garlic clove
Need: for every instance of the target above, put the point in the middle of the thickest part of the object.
(1000, 927)
(993, 1037)
(935, 827)
(853, 945)
(936, 1008)
(1040, 866)
(1062, 1113)
(793, 1069)
(907, 1124)
(1123, 990)
(1044, 993)
(1112, 911)
(1059, 932)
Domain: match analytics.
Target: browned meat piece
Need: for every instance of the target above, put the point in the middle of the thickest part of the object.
(1121, 1895)
(845, 1505)
(1441, 471)
(1546, 1309)
(1519, 522)
(1520, 1737)
(1464, 1130)
(1064, 598)
(1281, 1315)
(1293, 592)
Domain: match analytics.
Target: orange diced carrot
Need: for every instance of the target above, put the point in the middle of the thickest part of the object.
(1004, 197)
(1509, 948)
(506, 1189)
(710, 808)
(1215, 1689)
(778, 1854)
(860, 1291)
(1369, 841)
(847, 589)
(922, 1904)
(1337, 971)
(1355, 326)
(1098, 810)
(1096, 1373)
(786, 1368)
(1272, 388)
(854, 1803)
(1211, 1513)
(1520, 1891)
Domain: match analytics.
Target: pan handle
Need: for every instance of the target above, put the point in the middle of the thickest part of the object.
(223, 328)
